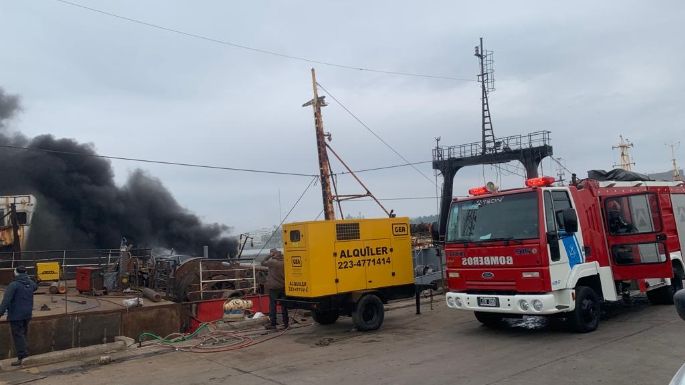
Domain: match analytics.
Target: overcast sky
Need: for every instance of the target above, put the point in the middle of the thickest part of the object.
(585, 70)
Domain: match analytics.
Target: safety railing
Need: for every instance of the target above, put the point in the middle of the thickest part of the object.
(69, 259)
(66, 287)
(237, 276)
(504, 144)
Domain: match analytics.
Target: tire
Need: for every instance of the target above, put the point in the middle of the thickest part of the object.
(368, 313)
(585, 317)
(664, 295)
(491, 320)
(325, 317)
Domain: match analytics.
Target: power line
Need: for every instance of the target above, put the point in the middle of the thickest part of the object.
(402, 198)
(374, 133)
(311, 182)
(561, 165)
(169, 163)
(384, 167)
(260, 50)
(73, 153)
(502, 167)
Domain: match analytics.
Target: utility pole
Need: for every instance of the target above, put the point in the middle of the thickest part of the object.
(676, 170)
(435, 171)
(487, 84)
(324, 166)
(625, 161)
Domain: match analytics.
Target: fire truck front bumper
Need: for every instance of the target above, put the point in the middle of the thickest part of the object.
(531, 304)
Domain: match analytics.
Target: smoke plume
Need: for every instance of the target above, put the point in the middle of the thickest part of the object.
(80, 206)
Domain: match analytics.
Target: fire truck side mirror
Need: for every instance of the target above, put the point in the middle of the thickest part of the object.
(570, 220)
(679, 300)
(435, 231)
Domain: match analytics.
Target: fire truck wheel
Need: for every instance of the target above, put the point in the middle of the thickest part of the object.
(491, 320)
(664, 295)
(325, 317)
(585, 318)
(369, 313)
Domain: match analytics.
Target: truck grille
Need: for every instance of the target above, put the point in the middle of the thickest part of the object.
(492, 286)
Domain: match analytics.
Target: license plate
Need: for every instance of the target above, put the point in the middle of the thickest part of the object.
(488, 301)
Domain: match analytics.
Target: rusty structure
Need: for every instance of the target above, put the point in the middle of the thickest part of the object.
(126, 272)
(15, 219)
(324, 165)
(200, 279)
(178, 278)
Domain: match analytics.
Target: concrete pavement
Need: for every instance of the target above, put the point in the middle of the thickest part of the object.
(639, 345)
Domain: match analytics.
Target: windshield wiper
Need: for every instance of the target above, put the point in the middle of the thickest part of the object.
(460, 240)
(506, 239)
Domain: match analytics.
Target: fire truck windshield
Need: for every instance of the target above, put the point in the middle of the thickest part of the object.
(502, 217)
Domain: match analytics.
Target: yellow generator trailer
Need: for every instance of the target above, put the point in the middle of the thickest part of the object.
(348, 267)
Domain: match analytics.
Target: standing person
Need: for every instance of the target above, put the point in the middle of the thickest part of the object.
(18, 303)
(275, 284)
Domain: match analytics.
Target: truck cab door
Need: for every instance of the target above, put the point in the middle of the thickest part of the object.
(565, 249)
(637, 244)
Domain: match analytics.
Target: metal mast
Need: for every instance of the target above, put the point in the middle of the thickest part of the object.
(324, 165)
(487, 83)
(676, 170)
(625, 161)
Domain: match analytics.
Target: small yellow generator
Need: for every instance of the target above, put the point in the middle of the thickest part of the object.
(348, 267)
(47, 271)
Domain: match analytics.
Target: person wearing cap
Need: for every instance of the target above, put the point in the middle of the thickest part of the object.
(18, 303)
(275, 284)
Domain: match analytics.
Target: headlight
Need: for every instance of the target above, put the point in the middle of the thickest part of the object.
(458, 302)
(537, 304)
(523, 304)
(450, 301)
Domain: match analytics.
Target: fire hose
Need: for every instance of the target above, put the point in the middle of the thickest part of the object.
(213, 341)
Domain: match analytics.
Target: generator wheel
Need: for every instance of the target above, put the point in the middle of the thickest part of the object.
(491, 320)
(664, 295)
(325, 317)
(585, 317)
(369, 313)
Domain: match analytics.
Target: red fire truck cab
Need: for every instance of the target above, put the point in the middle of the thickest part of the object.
(562, 251)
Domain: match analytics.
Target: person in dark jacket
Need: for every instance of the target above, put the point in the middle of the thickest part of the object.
(275, 284)
(18, 303)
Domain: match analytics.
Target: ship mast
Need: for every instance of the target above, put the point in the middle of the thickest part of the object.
(676, 170)
(625, 160)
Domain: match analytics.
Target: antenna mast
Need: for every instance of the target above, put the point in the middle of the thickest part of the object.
(560, 172)
(487, 83)
(625, 161)
(676, 170)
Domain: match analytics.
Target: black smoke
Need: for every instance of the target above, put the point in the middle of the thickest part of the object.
(80, 206)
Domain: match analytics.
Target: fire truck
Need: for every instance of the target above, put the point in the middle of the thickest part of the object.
(562, 251)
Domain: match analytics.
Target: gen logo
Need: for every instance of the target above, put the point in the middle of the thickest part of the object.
(400, 229)
(296, 261)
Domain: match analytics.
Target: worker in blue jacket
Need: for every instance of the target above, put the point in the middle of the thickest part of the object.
(18, 303)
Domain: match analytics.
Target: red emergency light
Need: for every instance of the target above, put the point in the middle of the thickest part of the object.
(478, 190)
(540, 182)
